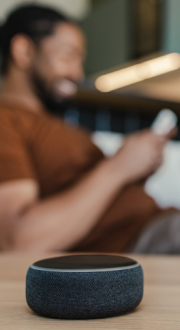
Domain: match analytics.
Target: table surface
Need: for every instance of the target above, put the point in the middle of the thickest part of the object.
(159, 309)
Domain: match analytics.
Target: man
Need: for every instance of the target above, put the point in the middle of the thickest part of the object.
(57, 191)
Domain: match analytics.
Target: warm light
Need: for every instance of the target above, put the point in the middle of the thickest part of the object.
(138, 72)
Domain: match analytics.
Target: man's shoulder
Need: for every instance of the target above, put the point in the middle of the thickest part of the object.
(6, 114)
(16, 116)
(14, 121)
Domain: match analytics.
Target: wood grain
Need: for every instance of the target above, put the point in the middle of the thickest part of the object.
(160, 308)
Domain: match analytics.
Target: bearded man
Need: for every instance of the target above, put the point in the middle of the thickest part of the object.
(57, 190)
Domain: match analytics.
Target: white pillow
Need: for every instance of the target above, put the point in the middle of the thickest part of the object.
(108, 142)
(164, 185)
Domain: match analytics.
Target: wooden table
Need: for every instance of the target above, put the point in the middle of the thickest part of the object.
(160, 308)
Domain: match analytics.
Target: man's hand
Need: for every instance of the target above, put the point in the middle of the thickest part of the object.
(141, 155)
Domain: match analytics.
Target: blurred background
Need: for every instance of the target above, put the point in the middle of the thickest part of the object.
(121, 34)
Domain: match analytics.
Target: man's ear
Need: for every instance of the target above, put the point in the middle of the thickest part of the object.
(22, 51)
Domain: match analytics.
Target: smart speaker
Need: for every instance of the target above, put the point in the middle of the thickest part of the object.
(84, 286)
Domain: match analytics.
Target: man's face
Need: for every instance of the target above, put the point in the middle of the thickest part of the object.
(58, 63)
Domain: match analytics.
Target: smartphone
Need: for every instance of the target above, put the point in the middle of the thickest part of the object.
(165, 121)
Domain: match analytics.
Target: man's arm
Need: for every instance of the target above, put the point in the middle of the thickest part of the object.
(60, 221)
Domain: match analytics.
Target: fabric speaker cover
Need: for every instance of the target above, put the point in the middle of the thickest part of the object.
(84, 286)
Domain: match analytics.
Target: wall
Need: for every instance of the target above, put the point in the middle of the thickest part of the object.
(108, 31)
(171, 26)
(75, 8)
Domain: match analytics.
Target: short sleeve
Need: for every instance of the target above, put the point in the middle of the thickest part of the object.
(15, 162)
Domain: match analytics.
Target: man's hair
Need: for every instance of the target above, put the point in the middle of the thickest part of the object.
(34, 21)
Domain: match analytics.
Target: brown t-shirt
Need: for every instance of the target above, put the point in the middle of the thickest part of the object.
(44, 148)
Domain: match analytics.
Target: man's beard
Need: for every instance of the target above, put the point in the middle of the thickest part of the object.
(52, 104)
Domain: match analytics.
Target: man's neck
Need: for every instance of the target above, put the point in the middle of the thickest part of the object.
(15, 89)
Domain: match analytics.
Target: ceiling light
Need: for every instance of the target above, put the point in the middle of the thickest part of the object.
(138, 72)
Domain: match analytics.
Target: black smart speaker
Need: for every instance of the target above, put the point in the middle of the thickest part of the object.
(84, 286)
